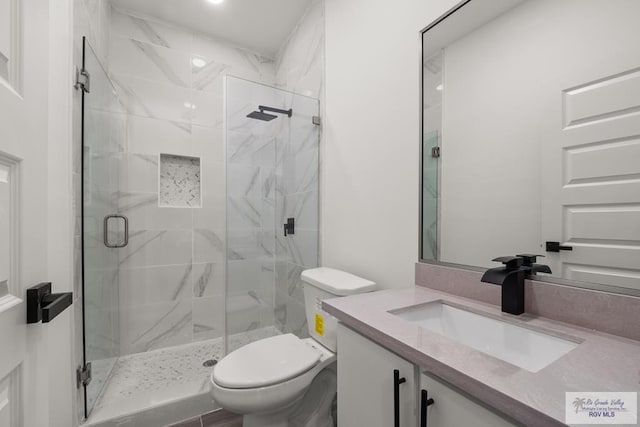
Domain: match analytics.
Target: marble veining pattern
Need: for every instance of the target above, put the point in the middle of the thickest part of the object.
(285, 153)
(149, 61)
(207, 279)
(157, 248)
(173, 106)
(160, 62)
(204, 78)
(138, 28)
(149, 285)
(299, 68)
(300, 61)
(173, 325)
(179, 181)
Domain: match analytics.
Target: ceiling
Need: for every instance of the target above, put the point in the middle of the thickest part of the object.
(259, 25)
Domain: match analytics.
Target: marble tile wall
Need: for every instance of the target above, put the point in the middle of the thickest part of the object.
(272, 174)
(299, 69)
(251, 201)
(297, 195)
(300, 60)
(172, 274)
(180, 181)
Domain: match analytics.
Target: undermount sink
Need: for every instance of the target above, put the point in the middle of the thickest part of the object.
(529, 349)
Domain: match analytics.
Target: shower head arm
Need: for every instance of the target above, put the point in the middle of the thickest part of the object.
(263, 108)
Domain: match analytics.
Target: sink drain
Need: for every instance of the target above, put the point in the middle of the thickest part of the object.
(209, 363)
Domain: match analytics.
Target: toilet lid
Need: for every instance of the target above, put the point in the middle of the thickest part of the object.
(265, 362)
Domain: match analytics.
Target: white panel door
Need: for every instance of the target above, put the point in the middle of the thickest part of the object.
(366, 384)
(23, 208)
(590, 131)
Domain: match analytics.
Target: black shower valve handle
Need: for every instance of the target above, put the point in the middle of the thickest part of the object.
(290, 227)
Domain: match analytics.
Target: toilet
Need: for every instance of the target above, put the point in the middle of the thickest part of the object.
(285, 380)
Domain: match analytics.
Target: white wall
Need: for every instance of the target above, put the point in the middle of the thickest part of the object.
(370, 175)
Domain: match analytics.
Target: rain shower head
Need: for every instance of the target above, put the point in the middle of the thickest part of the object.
(261, 115)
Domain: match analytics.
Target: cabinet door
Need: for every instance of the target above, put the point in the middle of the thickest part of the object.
(451, 408)
(366, 384)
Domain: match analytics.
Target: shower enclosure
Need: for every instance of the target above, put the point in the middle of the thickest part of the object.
(194, 239)
(272, 181)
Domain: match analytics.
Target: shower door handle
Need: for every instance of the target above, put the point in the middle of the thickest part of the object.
(125, 242)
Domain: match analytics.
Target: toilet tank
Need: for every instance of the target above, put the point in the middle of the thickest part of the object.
(323, 283)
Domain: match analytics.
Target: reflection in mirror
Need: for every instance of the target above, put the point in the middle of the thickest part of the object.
(432, 84)
(5, 237)
(534, 107)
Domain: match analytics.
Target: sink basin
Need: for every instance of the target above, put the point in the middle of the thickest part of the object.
(527, 348)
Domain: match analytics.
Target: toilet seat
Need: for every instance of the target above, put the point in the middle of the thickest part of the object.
(265, 362)
(273, 397)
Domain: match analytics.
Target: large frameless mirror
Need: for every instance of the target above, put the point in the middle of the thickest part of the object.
(531, 138)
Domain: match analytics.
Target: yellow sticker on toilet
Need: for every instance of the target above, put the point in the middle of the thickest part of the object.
(319, 325)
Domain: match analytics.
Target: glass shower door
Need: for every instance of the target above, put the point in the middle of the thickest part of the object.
(272, 180)
(102, 230)
(297, 195)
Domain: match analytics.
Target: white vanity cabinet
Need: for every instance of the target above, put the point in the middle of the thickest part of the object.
(451, 408)
(367, 385)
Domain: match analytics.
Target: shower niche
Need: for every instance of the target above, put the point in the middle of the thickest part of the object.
(179, 181)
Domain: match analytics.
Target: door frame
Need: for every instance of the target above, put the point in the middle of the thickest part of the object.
(62, 249)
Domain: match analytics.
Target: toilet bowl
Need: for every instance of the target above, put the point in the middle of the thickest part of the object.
(279, 385)
(285, 380)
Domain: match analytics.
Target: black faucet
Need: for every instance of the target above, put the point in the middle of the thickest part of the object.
(511, 278)
(529, 260)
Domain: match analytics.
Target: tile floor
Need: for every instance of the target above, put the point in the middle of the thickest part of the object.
(220, 418)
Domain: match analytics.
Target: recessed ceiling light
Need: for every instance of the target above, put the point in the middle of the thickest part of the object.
(439, 88)
(189, 105)
(215, 1)
(198, 62)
